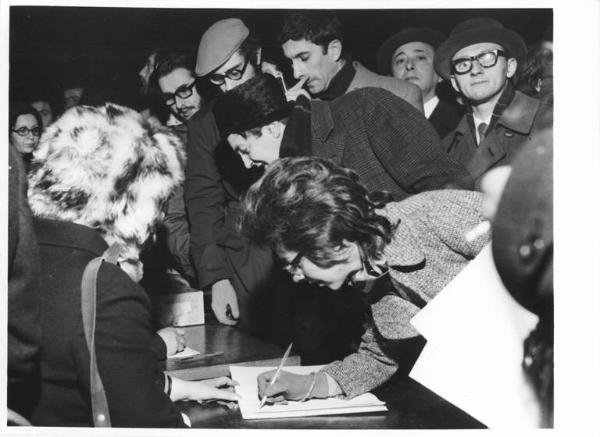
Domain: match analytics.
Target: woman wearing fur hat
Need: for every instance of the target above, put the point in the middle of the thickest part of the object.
(329, 230)
(100, 176)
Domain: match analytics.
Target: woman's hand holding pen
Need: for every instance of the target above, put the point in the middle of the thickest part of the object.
(287, 386)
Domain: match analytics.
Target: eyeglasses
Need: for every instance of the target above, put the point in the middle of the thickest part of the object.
(183, 92)
(23, 131)
(486, 60)
(233, 74)
(292, 266)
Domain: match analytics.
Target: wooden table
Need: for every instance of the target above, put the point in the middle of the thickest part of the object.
(238, 348)
(410, 405)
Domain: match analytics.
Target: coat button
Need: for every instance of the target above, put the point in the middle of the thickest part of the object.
(101, 417)
(528, 250)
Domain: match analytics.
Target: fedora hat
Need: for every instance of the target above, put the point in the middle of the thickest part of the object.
(218, 43)
(474, 31)
(422, 34)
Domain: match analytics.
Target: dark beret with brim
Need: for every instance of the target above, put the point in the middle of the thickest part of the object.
(411, 34)
(475, 31)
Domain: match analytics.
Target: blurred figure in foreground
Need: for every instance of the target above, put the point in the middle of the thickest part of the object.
(519, 203)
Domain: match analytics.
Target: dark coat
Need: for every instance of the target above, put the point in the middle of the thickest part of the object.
(386, 141)
(521, 120)
(445, 117)
(127, 349)
(24, 334)
(215, 177)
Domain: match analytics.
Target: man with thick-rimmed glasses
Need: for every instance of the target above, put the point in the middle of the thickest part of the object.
(174, 77)
(480, 58)
(235, 274)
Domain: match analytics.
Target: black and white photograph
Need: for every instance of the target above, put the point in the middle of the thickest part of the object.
(302, 216)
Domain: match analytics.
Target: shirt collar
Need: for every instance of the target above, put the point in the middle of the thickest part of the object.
(429, 105)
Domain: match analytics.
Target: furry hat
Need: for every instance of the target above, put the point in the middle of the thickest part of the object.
(255, 103)
(106, 168)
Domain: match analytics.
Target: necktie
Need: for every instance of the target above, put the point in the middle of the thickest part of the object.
(481, 131)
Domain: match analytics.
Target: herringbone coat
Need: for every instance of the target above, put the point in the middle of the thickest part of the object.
(386, 141)
(428, 249)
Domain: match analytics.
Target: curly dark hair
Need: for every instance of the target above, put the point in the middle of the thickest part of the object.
(311, 205)
(318, 27)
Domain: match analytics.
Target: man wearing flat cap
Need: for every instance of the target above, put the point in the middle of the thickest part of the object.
(233, 272)
(479, 58)
(408, 55)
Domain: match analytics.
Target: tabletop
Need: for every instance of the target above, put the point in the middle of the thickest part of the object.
(410, 405)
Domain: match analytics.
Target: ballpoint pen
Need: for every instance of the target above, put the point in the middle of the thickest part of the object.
(285, 355)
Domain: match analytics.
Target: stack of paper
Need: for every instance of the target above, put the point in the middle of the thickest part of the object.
(475, 332)
(249, 404)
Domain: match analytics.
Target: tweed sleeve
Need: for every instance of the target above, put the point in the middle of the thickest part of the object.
(452, 214)
(407, 145)
(366, 369)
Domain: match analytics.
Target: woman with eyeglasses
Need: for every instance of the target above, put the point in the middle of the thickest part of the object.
(25, 126)
(327, 229)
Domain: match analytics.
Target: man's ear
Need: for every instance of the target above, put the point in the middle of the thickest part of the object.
(334, 50)
(275, 129)
(511, 67)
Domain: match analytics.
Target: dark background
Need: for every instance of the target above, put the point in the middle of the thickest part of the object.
(106, 47)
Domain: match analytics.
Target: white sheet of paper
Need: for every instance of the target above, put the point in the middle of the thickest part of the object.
(475, 332)
(249, 404)
(186, 352)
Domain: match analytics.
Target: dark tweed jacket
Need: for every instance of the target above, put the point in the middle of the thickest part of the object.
(428, 249)
(386, 141)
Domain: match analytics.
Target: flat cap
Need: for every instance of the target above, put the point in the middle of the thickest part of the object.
(218, 43)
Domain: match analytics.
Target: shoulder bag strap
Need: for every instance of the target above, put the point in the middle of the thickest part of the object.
(88, 309)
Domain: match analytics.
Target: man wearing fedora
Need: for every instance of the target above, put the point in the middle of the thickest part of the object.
(233, 272)
(408, 55)
(479, 58)
(313, 42)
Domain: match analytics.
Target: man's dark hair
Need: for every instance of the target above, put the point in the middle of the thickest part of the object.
(167, 62)
(320, 28)
(250, 48)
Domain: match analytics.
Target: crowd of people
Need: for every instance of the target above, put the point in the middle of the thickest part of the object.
(264, 189)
